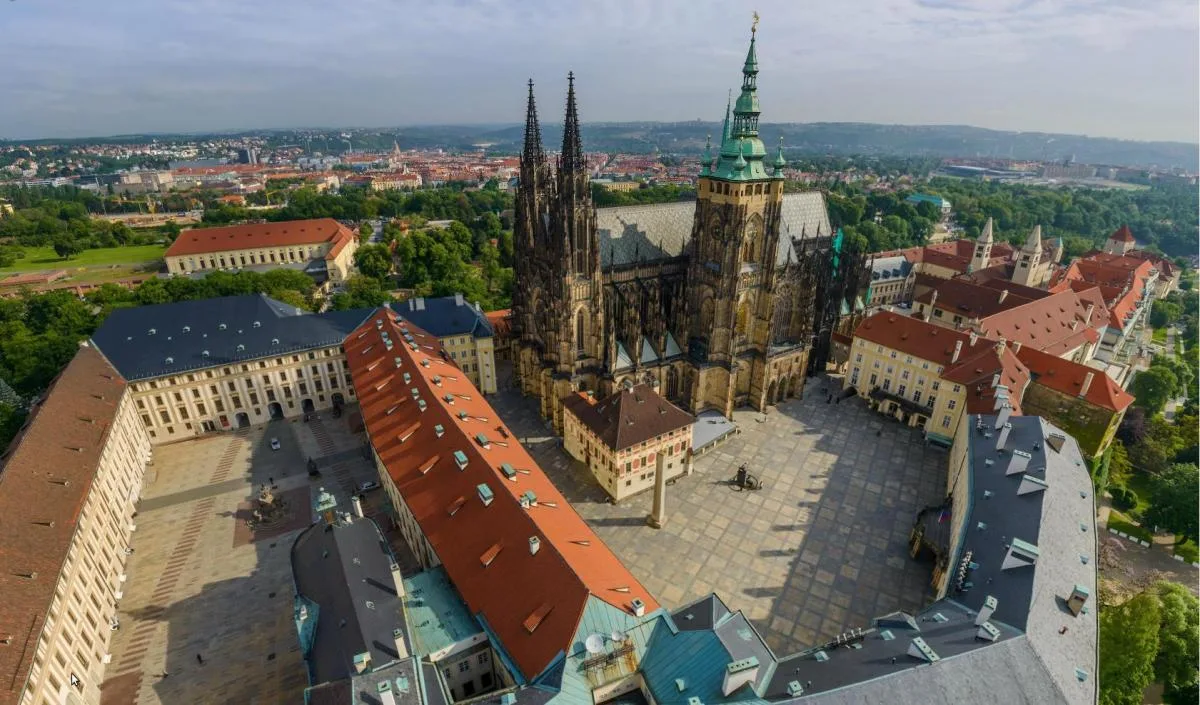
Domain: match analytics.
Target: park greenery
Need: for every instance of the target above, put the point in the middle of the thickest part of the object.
(1150, 638)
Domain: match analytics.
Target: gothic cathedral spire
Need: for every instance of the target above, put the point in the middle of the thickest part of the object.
(532, 154)
(572, 159)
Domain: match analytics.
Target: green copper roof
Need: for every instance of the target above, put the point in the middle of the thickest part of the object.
(742, 155)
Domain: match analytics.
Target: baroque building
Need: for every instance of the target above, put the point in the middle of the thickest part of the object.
(727, 301)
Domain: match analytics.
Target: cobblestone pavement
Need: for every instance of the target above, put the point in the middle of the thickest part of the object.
(191, 590)
(821, 549)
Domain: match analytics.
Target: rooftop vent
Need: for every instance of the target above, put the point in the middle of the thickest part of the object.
(152, 331)
(739, 673)
(794, 689)
(985, 612)
(528, 499)
(887, 635)
(535, 618)
(1020, 554)
(987, 632)
(1017, 462)
(170, 360)
(187, 329)
(397, 362)
(462, 416)
(1077, 600)
(220, 326)
(204, 353)
(274, 341)
(638, 607)
(439, 430)
(821, 656)
(917, 648)
(258, 324)
(437, 380)
(485, 493)
(241, 348)
(1030, 484)
(508, 471)
(421, 404)
(460, 459)
(448, 398)
(535, 545)
(482, 440)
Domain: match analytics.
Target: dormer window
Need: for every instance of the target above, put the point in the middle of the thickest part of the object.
(460, 459)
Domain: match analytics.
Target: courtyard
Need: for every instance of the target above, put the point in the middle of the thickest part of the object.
(822, 548)
(202, 583)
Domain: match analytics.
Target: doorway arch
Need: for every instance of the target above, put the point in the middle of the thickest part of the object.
(275, 409)
(307, 406)
(243, 419)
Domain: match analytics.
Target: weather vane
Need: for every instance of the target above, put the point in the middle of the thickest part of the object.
(754, 27)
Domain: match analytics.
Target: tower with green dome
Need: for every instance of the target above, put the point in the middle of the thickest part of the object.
(734, 255)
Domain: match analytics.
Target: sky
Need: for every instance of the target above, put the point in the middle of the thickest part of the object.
(1112, 68)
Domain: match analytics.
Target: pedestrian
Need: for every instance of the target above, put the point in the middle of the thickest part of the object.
(271, 480)
(200, 659)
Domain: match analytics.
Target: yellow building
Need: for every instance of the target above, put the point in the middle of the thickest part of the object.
(463, 330)
(323, 247)
(68, 487)
(626, 438)
(928, 376)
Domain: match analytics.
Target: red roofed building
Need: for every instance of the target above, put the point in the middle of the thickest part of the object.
(321, 244)
(468, 497)
(501, 322)
(1082, 401)
(1122, 243)
(1127, 284)
(930, 376)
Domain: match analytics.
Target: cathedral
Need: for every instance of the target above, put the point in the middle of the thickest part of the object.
(723, 302)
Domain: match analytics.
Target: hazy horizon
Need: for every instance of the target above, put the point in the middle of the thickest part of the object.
(1119, 70)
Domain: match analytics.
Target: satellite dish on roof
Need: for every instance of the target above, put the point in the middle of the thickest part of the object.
(594, 643)
(617, 636)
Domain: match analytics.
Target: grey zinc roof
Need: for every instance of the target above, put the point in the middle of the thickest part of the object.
(167, 339)
(630, 234)
(346, 572)
(890, 268)
(445, 316)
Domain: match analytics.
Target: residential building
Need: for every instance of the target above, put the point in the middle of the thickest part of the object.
(1126, 286)
(1082, 401)
(1122, 243)
(464, 332)
(68, 486)
(622, 186)
(196, 367)
(323, 247)
(394, 181)
(891, 281)
(627, 438)
(502, 340)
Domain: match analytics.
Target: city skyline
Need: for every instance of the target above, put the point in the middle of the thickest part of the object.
(1119, 70)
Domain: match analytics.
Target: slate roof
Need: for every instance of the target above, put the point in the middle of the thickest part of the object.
(894, 267)
(478, 497)
(628, 417)
(167, 339)
(629, 234)
(346, 572)
(446, 316)
(45, 477)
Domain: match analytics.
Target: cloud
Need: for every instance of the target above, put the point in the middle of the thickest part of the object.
(1114, 67)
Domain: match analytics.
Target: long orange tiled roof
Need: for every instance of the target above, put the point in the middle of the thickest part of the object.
(1056, 324)
(44, 481)
(418, 425)
(240, 237)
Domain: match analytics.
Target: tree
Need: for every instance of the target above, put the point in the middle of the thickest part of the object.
(11, 420)
(1178, 646)
(1164, 313)
(1173, 501)
(1128, 647)
(171, 230)
(1179, 367)
(1133, 426)
(66, 247)
(361, 292)
(365, 231)
(1153, 388)
(374, 261)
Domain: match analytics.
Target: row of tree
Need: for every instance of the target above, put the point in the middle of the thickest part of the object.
(1150, 638)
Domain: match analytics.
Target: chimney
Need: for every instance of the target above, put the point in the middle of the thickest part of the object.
(739, 673)
(995, 380)
(985, 612)
(362, 662)
(1002, 419)
(1000, 345)
(458, 299)
(356, 505)
(638, 607)
(398, 639)
(1016, 346)
(535, 544)
(1003, 296)
(397, 578)
(973, 337)
(1003, 437)
(1087, 384)
(1087, 315)
(1078, 598)
(932, 303)
(957, 352)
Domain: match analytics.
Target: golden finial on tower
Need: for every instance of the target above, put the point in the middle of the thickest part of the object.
(754, 27)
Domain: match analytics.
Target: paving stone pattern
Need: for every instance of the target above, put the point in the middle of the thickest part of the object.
(821, 549)
(189, 593)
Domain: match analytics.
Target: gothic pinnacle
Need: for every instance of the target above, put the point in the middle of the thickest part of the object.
(572, 149)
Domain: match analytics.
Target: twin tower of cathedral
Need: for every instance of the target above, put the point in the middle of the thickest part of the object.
(725, 302)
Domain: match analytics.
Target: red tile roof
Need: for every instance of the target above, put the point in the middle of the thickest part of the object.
(977, 371)
(1067, 377)
(1121, 278)
(501, 322)
(44, 482)
(1056, 324)
(971, 300)
(240, 237)
(628, 417)
(912, 336)
(1122, 234)
(532, 602)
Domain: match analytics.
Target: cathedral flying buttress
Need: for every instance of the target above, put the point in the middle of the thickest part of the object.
(724, 302)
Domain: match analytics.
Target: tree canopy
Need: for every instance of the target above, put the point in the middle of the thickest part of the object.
(1178, 642)
(1128, 645)
(1153, 388)
(1173, 501)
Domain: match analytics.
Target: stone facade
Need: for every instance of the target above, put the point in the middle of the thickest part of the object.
(736, 310)
(1092, 426)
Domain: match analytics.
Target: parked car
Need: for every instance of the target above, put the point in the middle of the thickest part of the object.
(275, 444)
(368, 486)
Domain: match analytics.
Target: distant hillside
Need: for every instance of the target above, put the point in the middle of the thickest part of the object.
(845, 138)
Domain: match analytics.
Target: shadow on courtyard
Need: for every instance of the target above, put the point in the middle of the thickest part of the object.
(821, 549)
(218, 625)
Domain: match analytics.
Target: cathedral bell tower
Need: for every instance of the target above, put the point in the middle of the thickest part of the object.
(734, 241)
(557, 302)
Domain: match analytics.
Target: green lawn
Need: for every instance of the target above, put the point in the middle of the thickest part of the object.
(1142, 484)
(1159, 336)
(1122, 523)
(44, 258)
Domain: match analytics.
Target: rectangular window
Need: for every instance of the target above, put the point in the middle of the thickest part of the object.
(946, 421)
(183, 414)
(917, 395)
(904, 374)
(900, 390)
(854, 376)
(178, 396)
(887, 384)
(232, 386)
(200, 409)
(951, 404)
(932, 400)
(237, 402)
(166, 418)
(874, 379)
(858, 357)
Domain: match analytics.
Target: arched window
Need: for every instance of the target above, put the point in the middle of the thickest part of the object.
(579, 332)
(743, 317)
